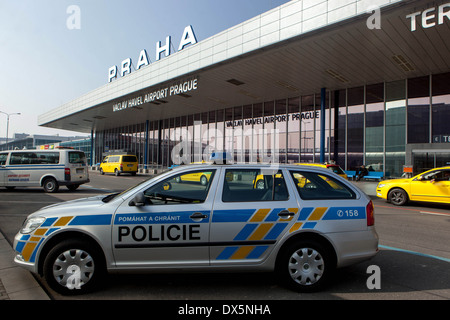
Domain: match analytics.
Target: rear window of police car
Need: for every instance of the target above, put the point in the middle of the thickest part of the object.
(315, 186)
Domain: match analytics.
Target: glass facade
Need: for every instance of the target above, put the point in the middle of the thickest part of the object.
(368, 125)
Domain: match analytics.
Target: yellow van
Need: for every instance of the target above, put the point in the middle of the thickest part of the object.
(117, 164)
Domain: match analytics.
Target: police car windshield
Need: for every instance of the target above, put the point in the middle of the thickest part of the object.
(111, 196)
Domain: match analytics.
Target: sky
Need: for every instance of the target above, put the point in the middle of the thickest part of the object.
(45, 63)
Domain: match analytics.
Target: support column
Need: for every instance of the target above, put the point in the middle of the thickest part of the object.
(146, 145)
(92, 148)
(323, 94)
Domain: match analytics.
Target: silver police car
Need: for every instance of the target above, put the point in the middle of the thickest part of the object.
(301, 222)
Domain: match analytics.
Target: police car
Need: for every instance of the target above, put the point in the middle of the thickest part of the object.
(302, 223)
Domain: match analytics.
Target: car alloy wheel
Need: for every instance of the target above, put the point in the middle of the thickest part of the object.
(398, 197)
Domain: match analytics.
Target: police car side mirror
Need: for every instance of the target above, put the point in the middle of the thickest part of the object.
(138, 200)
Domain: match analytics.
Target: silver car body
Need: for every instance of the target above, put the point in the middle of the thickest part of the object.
(213, 234)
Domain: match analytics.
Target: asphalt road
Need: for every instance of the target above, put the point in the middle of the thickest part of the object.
(413, 261)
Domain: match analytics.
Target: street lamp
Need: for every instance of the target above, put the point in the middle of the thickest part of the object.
(7, 123)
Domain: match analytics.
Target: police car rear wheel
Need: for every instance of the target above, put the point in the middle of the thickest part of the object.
(305, 266)
(73, 267)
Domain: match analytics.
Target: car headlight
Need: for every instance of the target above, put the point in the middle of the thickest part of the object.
(381, 185)
(32, 224)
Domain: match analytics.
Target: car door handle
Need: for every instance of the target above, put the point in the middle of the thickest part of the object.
(285, 214)
(198, 215)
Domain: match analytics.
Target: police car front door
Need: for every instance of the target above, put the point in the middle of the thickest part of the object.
(171, 229)
(253, 210)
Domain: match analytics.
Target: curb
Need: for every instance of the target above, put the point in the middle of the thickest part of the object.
(16, 283)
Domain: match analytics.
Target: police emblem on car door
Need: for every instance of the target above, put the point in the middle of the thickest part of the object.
(167, 224)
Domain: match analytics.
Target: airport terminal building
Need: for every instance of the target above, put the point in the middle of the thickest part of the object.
(351, 81)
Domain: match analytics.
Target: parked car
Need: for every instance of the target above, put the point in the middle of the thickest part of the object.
(330, 166)
(301, 232)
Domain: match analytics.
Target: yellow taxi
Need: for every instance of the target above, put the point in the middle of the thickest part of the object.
(430, 186)
(330, 166)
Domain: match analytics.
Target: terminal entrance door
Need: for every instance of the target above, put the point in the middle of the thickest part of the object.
(429, 159)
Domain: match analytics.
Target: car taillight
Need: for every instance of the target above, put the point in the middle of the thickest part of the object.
(67, 174)
(370, 214)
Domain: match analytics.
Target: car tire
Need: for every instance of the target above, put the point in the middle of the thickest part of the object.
(101, 171)
(116, 172)
(50, 185)
(305, 266)
(398, 197)
(74, 267)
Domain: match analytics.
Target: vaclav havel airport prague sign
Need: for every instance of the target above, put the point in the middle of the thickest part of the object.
(187, 38)
(182, 87)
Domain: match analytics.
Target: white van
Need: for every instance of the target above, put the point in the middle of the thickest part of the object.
(43, 168)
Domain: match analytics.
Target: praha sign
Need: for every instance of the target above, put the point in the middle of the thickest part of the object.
(173, 90)
(187, 38)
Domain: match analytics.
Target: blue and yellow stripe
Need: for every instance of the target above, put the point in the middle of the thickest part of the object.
(28, 245)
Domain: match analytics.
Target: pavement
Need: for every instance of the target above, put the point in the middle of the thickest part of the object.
(17, 283)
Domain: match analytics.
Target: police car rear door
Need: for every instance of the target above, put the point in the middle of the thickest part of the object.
(171, 229)
(328, 204)
(254, 207)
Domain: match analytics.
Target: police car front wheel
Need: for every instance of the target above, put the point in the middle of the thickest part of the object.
(305, 266)
(73, 267)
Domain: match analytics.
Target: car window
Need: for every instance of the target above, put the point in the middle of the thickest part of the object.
(47, 157)
(336, 169)
(3, 157)
(243, 185)
(23, 158)
(77, 157)
(437, 175)
(183, 188)
(129, 159)
(316, 186)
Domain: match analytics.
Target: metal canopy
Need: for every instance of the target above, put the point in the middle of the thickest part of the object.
(342, 55)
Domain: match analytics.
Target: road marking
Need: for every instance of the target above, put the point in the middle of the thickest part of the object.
(436, 213)
(416, 210)
(414, 252)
